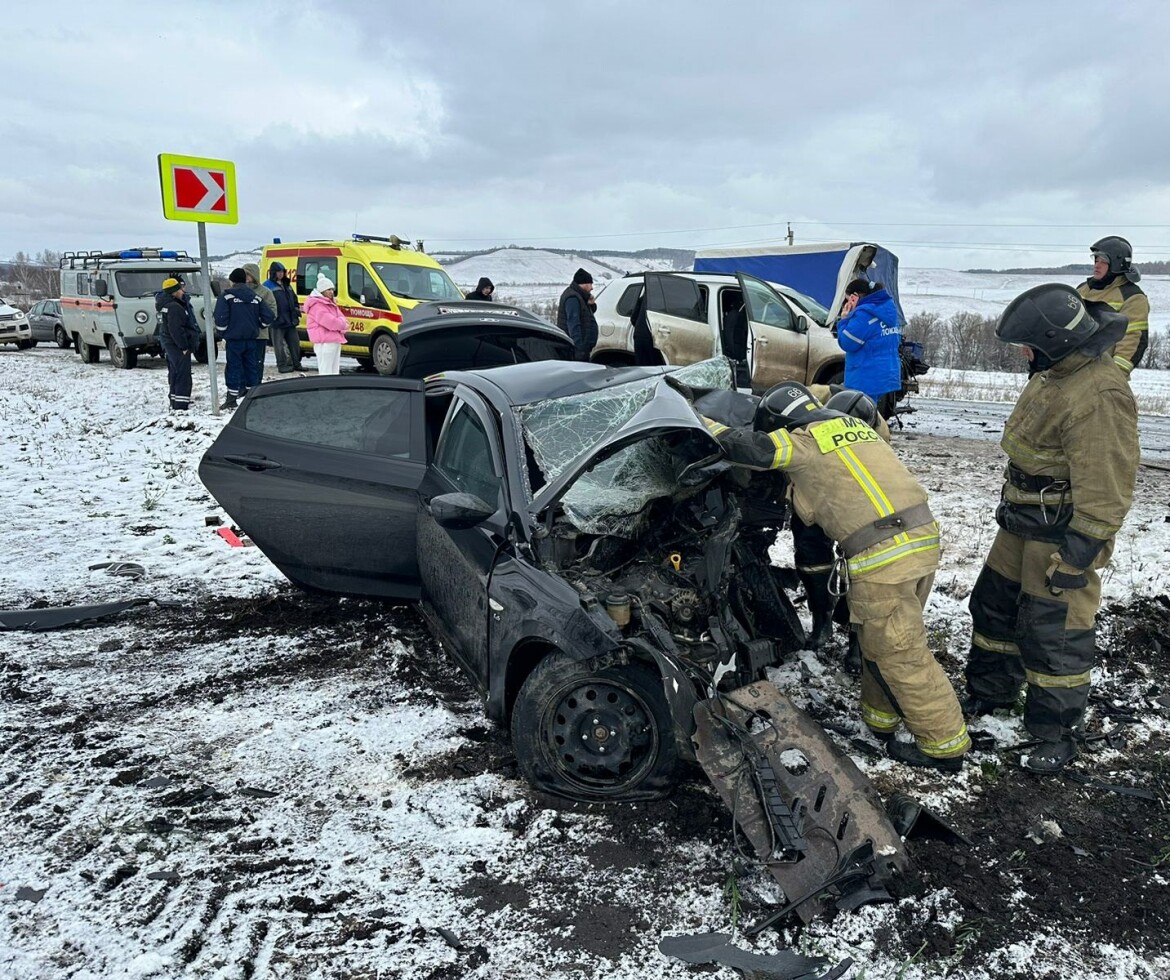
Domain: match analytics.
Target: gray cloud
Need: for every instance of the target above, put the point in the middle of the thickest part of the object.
(520, 121)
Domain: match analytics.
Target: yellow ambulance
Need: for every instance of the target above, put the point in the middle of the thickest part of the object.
(376, 278)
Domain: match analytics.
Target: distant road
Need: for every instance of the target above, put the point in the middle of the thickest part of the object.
(984, 420)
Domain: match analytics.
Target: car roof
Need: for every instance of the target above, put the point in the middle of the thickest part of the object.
(520, 384)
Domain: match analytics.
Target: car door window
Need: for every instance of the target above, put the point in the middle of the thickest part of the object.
(764, 306)
(629, 299)
(465, 456)
(360, 283)
(56, 308)
(675, 296)
(36, 310)
(363, 420)
(310, 267)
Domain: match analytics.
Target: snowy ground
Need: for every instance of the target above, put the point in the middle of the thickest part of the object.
(274, 785)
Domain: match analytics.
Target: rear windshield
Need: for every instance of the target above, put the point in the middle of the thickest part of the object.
(416, 282)
(147, 282)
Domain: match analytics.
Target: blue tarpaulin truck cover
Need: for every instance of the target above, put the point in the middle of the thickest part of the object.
(822, 271)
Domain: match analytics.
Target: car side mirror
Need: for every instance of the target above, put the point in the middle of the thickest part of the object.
(101, 287)
(459, 511)
(802, 324)
(373, 298)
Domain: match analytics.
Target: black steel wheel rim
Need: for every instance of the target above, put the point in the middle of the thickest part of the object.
(600, 734)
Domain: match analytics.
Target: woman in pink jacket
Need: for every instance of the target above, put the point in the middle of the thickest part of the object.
(327, 326)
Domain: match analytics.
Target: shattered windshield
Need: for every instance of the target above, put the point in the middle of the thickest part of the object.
(609, 498)
(807, 303)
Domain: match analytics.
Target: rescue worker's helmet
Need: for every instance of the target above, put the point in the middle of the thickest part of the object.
(1116, 251)
(787, 405)
(855, 403)
(1052, 319)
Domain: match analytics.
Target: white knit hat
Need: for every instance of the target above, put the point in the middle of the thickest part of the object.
(324, 282)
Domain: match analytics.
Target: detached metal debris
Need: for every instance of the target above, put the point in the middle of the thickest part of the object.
(814, 820)
(716, 947)
(58, 617)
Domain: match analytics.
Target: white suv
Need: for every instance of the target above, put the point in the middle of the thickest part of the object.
(774, 332)
(14, 326)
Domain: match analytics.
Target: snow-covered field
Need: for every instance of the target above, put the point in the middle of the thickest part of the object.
(265, 784)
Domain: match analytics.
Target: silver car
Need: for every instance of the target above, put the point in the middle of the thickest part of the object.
(14, 328)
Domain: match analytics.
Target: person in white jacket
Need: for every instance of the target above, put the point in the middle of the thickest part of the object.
(327, 326)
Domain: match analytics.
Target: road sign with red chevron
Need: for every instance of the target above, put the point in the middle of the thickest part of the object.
(198, 189)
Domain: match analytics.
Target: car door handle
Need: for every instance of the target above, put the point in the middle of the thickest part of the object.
(253, 462)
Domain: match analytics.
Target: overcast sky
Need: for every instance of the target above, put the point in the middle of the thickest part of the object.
(960, 134)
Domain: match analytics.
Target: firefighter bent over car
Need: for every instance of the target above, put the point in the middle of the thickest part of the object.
(1072, 447)
(849, 482)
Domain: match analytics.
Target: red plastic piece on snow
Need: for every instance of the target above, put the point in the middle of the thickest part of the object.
(230, 536)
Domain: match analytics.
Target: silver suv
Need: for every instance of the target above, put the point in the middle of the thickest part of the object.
(774, 332)
(14, 326)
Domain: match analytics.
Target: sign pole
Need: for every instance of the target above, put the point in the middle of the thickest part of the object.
(202, 190)
(208, 319)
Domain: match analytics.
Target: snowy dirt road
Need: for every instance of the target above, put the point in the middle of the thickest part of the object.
(269, 784)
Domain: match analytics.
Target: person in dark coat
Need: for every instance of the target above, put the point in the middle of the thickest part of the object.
(483, 291)
(179, 336)
(239, 316)
(575, 314)
(286, 341)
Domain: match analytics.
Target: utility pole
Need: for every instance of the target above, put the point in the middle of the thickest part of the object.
(790, 235)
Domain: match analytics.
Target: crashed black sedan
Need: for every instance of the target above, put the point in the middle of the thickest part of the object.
(580, 547)
(569, 529)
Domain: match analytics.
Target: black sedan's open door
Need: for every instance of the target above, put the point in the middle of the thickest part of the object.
(323, 475)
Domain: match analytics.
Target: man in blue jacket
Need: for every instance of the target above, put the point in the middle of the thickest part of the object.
(239, 314)
(869, 334)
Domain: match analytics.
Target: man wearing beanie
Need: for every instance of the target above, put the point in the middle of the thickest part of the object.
(179, 336)
(239, 315)
(575, 314)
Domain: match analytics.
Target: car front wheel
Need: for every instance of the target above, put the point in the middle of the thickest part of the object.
(62, 338)
(384, 354)
(594, 734)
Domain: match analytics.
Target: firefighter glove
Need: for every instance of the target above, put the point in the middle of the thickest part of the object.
(1061, 577)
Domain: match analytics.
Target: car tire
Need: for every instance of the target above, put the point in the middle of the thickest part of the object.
(592, 734)
(89, 353)
(62, 338)
(25, 344)
(124, 358)
(836, 378)
(201, 353)
(384, 354)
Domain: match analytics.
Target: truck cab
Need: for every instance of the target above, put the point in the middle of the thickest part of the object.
(108, 301)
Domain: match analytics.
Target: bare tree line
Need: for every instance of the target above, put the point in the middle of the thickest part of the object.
(968, 341)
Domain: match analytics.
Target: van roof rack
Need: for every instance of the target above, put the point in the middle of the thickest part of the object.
(85, 259)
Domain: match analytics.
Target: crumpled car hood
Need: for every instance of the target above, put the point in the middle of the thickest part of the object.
(640, 439)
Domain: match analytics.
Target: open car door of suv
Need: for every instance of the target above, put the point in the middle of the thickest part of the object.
(678, 320)
(777, 336)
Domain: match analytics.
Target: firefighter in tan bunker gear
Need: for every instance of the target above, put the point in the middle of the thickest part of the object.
(849, 482)
(1115, 282)
(1072, 447)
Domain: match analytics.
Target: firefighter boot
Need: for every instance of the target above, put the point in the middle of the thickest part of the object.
(1048, 758)
(910, 754)
(228, 403)
(821, 604)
